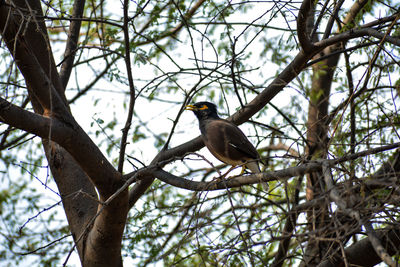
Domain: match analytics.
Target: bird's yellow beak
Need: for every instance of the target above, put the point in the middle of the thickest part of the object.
(190, 107)
(193, 107)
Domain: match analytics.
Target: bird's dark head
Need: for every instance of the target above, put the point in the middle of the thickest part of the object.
(204, 110)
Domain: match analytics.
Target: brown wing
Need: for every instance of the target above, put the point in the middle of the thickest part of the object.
(228, 143)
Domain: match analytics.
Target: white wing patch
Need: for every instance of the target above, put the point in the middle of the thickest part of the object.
(233, 145)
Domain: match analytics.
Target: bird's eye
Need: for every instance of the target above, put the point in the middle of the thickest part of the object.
(203, 107)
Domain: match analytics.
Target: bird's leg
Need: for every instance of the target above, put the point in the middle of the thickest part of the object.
(222, 177)
(243, 169)
(225, 174)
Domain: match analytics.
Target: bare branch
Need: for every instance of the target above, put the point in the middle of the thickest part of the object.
(332, 19)
(362, 253)
(174, 31)
(302, 33)
(238, 181)
(334, 195)
(132, 98)
(377, 245)
(39, 81)
(242, 115)
(72, 42)
(73, 139)
(356, 33)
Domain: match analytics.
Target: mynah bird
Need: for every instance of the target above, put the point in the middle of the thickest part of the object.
(224, 139)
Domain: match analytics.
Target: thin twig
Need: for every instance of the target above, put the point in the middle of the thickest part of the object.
(132, 98)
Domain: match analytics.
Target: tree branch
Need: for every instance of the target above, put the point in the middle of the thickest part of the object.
(362, 253)
(284, 174)
(356, 33)
(242, 115)
(174, 31)
(348, 209)
(302, 33)
(72, 42)
(132, 98)
(73, 139)
(42, 86)
(332, 19)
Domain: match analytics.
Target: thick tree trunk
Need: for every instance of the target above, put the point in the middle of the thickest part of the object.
(317, 143)
(76, 163)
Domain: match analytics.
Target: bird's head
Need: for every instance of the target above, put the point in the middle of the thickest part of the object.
(204, 110)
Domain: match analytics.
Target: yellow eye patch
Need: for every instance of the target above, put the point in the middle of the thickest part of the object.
(203, 107)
